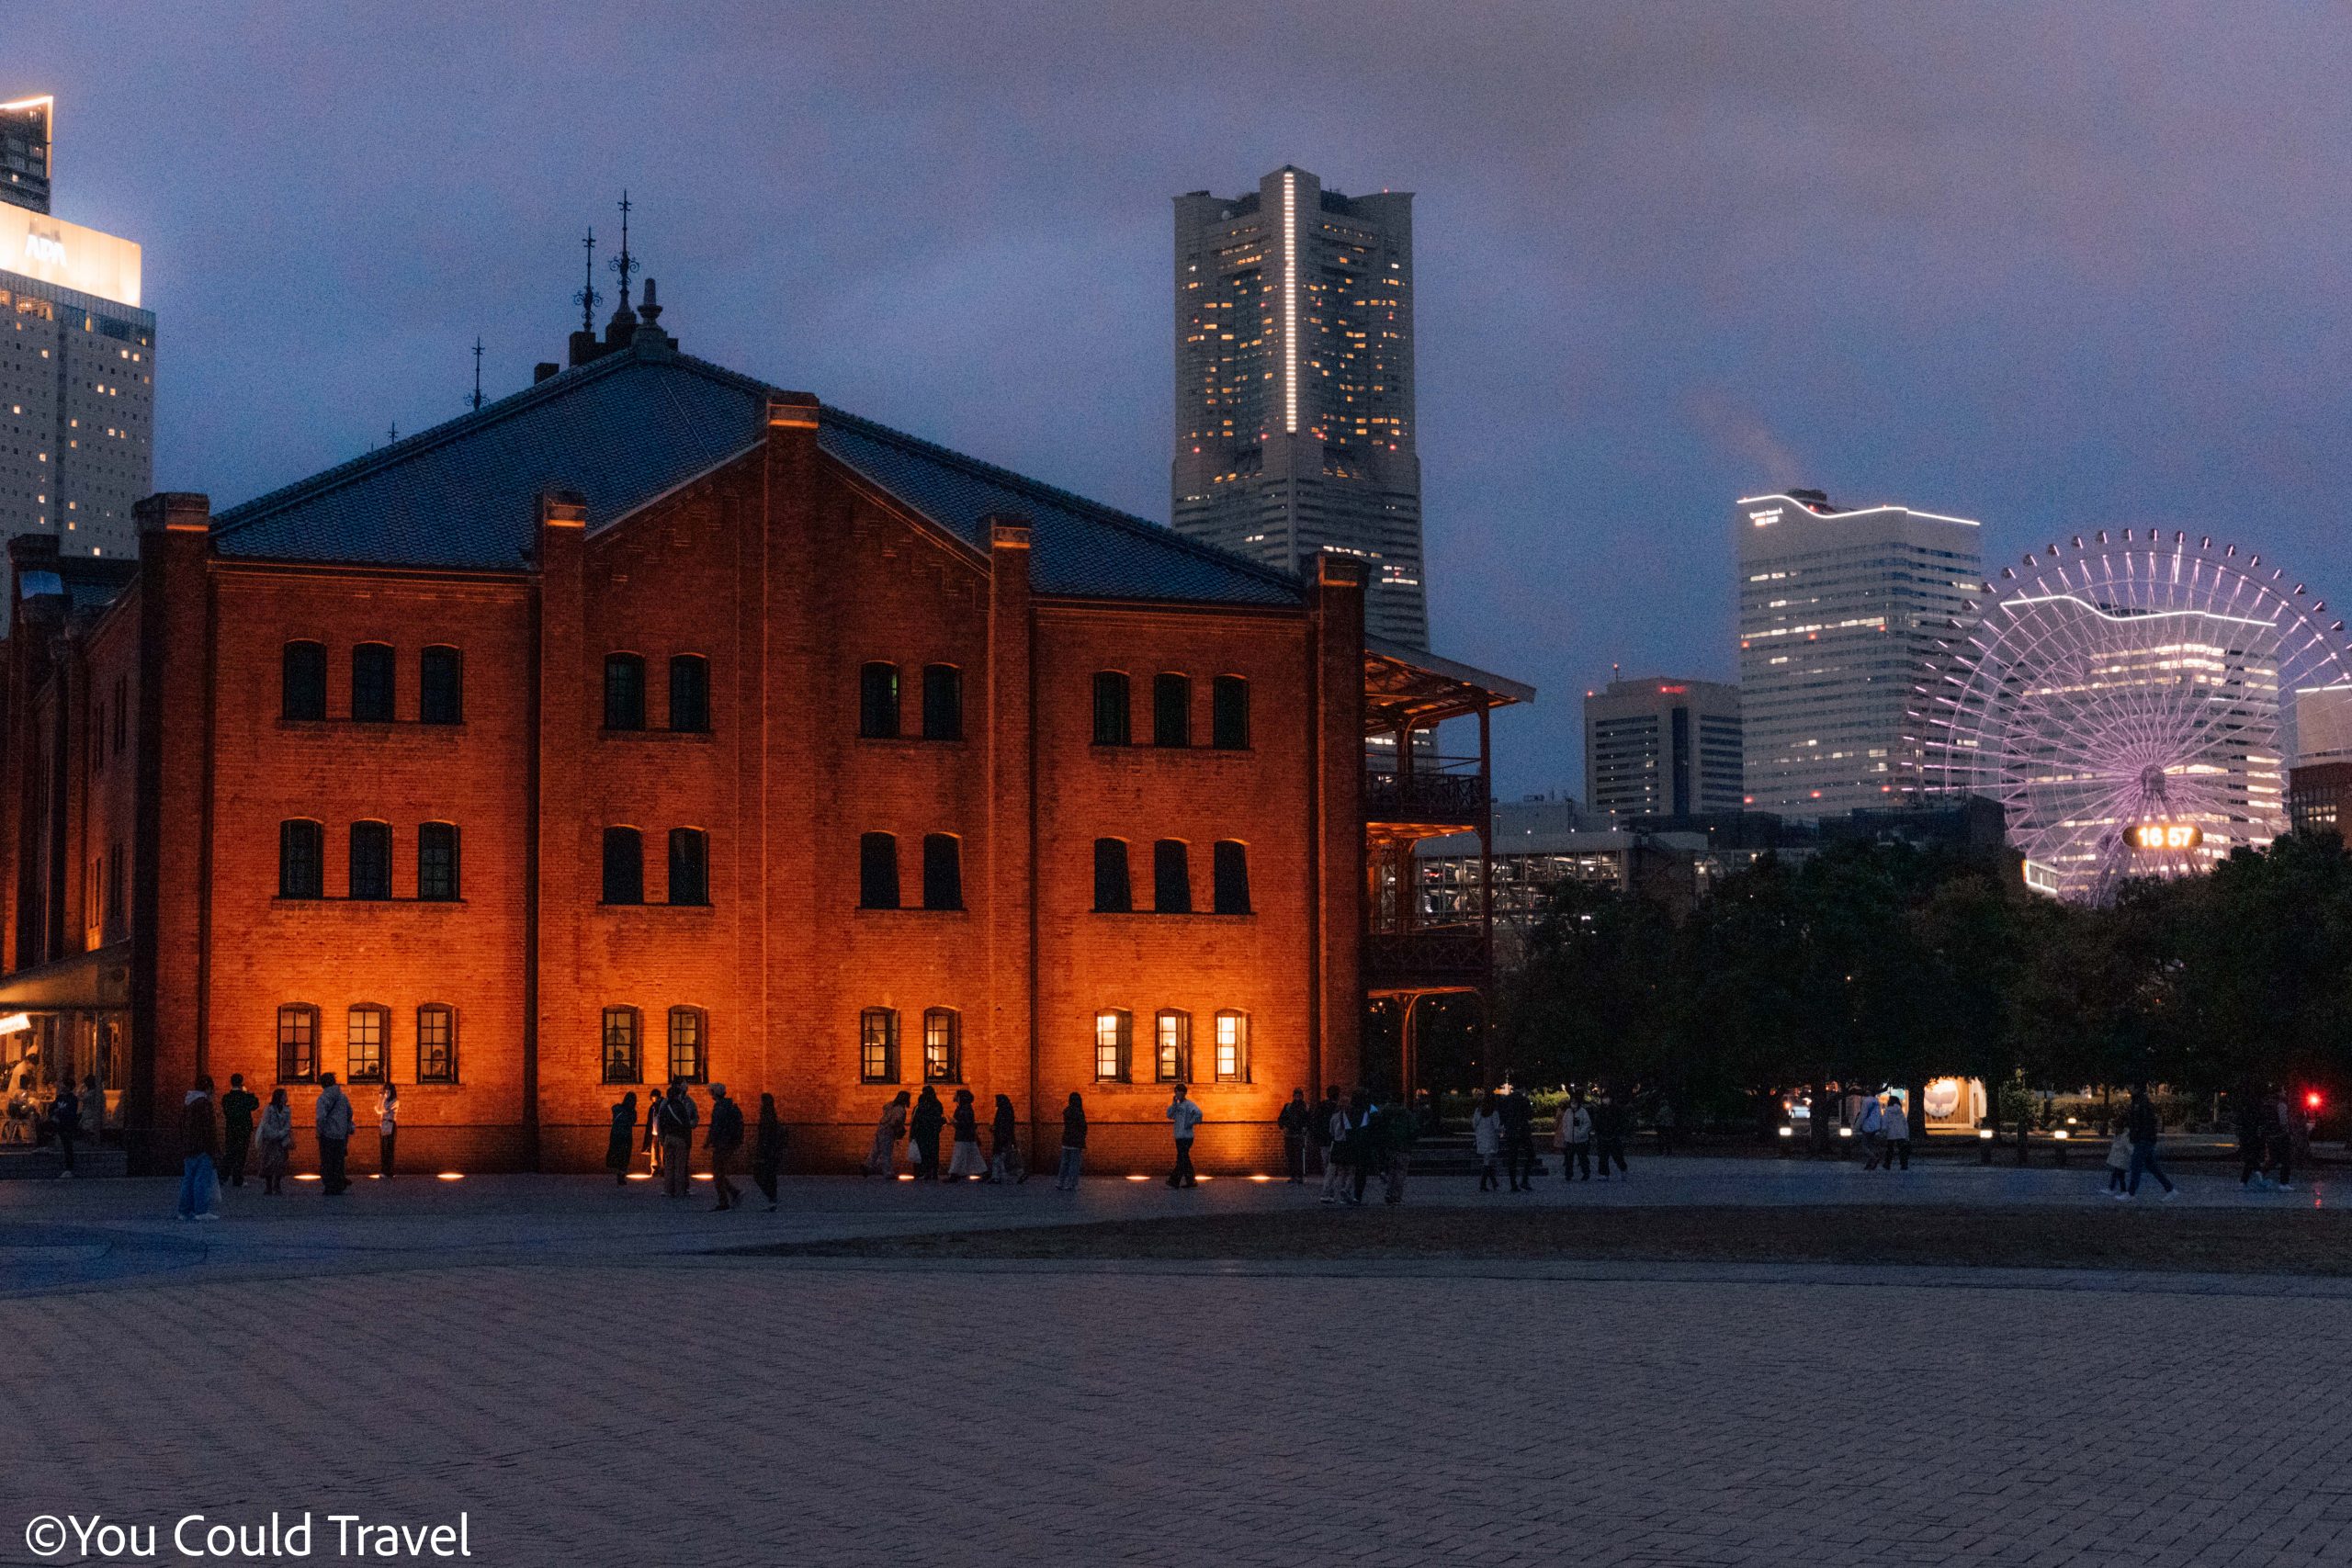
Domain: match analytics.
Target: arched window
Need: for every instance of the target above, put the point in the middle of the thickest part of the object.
(1230, 868)
(1115, 1034)
(440, 687)
(364, 1043)
(436, 1043)
(1232, 1046)
(371, 860)
(943, 1046)
(690, 693)
(1114, 894)
(1229, 713)
(622, 1063)
(877, 701)
(878, 1045)
(1171, 1034)
(624, 692)
(689, 866)
(877, 871)
(372, 682)
(1171, 710)
(624, 866)
(1111, 726)
(436, 862)
(942, 871)
(943, 703)
(303, 693)
(298, 1043)
(1171, 877)
(301, 859)
(689, 1055)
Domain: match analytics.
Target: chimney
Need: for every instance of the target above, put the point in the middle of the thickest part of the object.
(543, 369)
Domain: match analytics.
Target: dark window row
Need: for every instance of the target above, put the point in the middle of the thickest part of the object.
(879, 702)
(302, 860)
(1171, 1046)
(374, 682)
(689, 693)
(117, 719)
(368, 1029)
(942, 1045)
(624, 1037)
(624, 866)
(878, 872)
(1172, 710)
(1171, 877)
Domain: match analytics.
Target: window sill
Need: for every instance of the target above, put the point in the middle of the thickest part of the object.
(908, 909)
(1147, 748)
(322, 900)
(652, 904)
(373, 725)
(1172, 915)
(650, 734)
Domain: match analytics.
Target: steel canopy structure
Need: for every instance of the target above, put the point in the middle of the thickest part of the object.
(2129, 700)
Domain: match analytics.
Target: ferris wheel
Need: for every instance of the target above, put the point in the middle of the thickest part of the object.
(2130, 702)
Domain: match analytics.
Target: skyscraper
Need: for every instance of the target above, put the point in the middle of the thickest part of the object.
(77, 363)
(1295, 427)
(1661, 747)
(1839, 612)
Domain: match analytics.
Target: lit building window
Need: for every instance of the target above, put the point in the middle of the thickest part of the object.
(943, 1046)
(878, 1045)
(436, 1043)
(1172, 1047)
(687, 1058)
(1113, 1045)
(621, 1063)
(298, 1043)
(364, 1043)
(1232, 1046)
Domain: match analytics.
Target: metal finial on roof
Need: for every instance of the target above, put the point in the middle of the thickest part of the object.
(623, 265)
(588, 299)
(476, 399)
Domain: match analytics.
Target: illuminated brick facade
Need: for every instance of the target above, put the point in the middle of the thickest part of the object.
(570, 553)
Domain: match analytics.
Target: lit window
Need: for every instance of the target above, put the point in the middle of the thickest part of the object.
(365, 1044)
(943, 1046)
(1113, 1042)
(620, 1046)
(1232, 1046)
(436, 1043)
(298, 1044)
(1172, 1047)
(687, 1058)
(878, 1045)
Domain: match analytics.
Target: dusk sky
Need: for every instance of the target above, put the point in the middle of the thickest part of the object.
(2054, 267)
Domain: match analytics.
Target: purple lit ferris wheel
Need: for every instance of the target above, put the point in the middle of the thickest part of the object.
(2130, 702)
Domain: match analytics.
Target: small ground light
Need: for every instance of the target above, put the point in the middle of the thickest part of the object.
(1845, 1132)
(907, 1176)
(1261, 1177)
(1985, 1134)
(307, 1176)
(1138, 1179)
(2062, 1134)
(641, 1176)
(1205, 1178)
(1788, 1131)
(451, 1176)
(375, 1176)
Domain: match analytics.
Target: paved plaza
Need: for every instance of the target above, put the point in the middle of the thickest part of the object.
(576, 1370)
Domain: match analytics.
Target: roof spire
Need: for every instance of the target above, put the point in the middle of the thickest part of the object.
(623, 265)
(588, 299)
(475, 402)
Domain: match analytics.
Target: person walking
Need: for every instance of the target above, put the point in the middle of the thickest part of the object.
(276, 1135)
(1399, 1129)
(677, 1117)
(1005, 1164)
(1894, 1125)
(2119, 1159)
(1870, 1129)
(1184, 1120)
(1662, 1124)
(2253, 1137)
(387, 1126)
(2282, 1140)
(1486, 1139)
(200, 1141)
(622, 1140)
(333, 1117)
(1318, 1134)
(1573, 1137)
(922, 1133)
(237, 1109)
(722, 1141)
(1294, 1121)
(1609, 1135)
(1518, 1138)
(1073, 1144)
(653, 1133)
(767, 1149)
(964, 1160)
(882, 1160)
(1334, 1142)
(65, 1123)
(2142, 1122)
(1362, 1142)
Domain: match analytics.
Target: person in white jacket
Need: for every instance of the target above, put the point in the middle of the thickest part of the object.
(387, 1126)
(1572, 1135)
(1486, 1137)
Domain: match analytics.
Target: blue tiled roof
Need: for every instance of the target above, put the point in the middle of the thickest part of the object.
(631, 427)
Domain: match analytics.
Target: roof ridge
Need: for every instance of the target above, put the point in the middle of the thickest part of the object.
(1144, 526)
(329, 479)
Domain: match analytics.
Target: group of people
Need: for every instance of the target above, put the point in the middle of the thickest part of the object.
(669, 1133)
(1502, 1131)
(1884, 1128)
(926, 1123)
(218, 1142)
(2269, 1127)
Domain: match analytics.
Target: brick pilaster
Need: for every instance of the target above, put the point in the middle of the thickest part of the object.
(1336, 605)
(553, 1011)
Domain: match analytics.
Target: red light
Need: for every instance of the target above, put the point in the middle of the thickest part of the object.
(2311, 1100)
(1674, 689)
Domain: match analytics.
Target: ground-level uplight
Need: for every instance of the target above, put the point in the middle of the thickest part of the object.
(1138, 1179)
(307, 1176)
(451, 1176)
(1261, 1177)
(906, 1176)
(641, 1176)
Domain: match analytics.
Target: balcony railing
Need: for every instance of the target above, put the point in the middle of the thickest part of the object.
(1434, 955)
(1454, 798)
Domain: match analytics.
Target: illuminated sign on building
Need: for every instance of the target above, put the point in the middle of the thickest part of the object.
(33, 244)
(2167, 836)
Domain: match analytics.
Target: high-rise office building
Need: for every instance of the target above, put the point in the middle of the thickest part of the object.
(1294, 426)
(77, 365)
(1839, 614)
(1662, 748)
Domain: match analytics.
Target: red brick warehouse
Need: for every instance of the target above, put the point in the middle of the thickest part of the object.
(653, 721)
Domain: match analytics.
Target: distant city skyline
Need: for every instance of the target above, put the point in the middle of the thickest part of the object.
(1666, 256)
